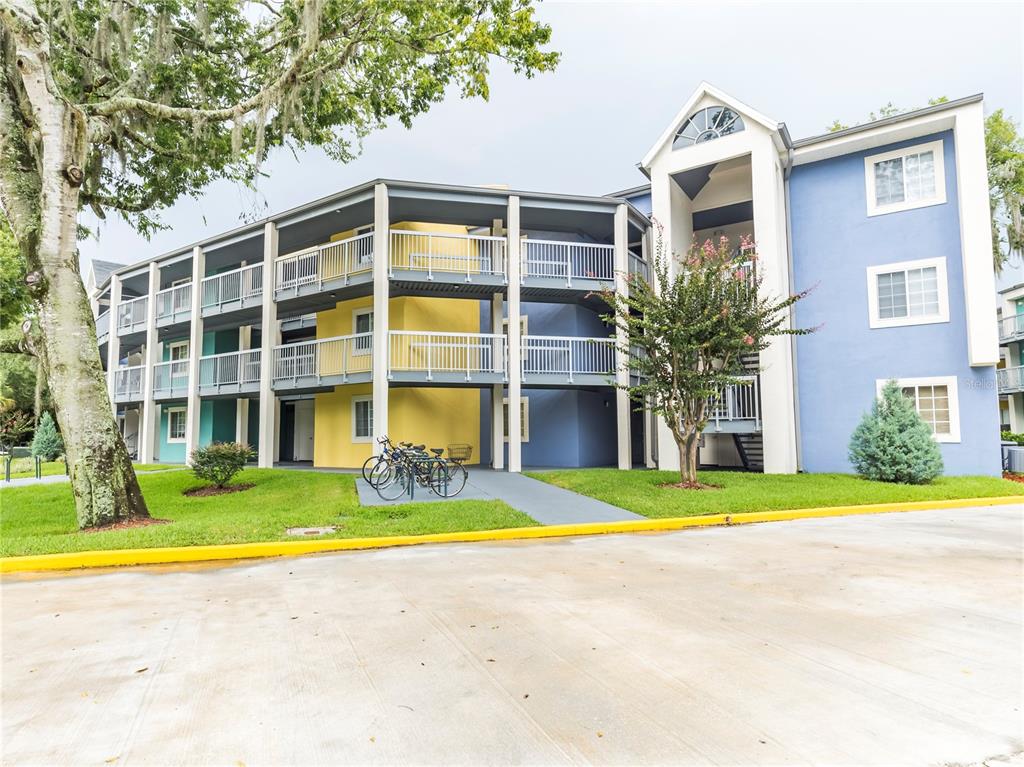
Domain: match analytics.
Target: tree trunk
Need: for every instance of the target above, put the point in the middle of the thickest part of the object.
(40, 172)
(688, 444)
(37, 401)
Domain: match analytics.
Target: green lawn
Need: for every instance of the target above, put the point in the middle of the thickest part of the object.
(22, 467)
(41, 518)
(639, 491)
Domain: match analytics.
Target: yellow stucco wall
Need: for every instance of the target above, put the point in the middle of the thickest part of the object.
(434, 416)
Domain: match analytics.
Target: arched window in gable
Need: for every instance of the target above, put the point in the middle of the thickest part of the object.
(707, 125)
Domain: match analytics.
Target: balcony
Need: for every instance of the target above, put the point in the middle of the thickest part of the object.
(638, 266)
(103, 327)
(174, 305)
(170, 380)
(430, 256)
(453, 358)
(131, 315)
(557, 360)
(324, 267)
(228, 291)
(230, 373)
(579, 265)
(324, 362)
(128, 383)
(1010, 380)
(1011, 329)
(738, 408)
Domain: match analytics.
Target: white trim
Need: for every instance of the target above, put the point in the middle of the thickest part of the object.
(935, 147)
(355, 400)
(171, 346)
(356, 313)
(525, 423)
(170, 412)
(939, 264)
(950, 382)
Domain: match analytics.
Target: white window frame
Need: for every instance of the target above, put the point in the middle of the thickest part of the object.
(524, 424)
(875, 321)
(874, 209)
(177, 345)
(362, 398)
(170, 417)
(950, 382)
(356, 351)
(524, 325)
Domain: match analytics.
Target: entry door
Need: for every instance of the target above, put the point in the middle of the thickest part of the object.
(303, 445)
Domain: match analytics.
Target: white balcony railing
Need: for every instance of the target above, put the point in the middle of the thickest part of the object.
(170, 377)
(567, 356)
(326, 357)
(567, 260)
(737, 402)
(128, 382)
(237, 286)
(174, 302)
(638, 266)
(131, 314)
(230, 369)
(1010, 379)
(430, 353)
(468, 254)
(1011, 327)
(103, 325)
(330, 261)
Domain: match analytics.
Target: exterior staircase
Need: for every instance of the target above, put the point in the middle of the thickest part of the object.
(751, 450)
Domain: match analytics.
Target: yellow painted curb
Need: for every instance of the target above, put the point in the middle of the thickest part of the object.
(230, 551)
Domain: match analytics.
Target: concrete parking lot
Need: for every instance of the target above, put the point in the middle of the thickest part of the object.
(885, 639)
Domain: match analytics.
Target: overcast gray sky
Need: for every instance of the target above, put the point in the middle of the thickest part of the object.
(627, 68)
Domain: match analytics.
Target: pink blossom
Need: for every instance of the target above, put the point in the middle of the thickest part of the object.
(748, 340)
(741, 273)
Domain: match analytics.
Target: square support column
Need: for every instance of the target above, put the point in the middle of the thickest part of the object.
(269, 332)
(498, 390)
(381, 295)
(515, 433)
(650, 424)
(778, 380)
(242, 403)
(148, 425)
(195, 351)
(113, 339)
(622, 404)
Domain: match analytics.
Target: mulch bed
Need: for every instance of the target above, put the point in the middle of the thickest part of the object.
(128, 525)
(1013, 477)
(200, 492)
(689, 486)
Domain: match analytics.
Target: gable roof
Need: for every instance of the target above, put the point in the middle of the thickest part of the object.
(706, 89)
(101, 270)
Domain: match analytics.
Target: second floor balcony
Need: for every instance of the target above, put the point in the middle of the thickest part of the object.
(1010, 380)
(1011, 328)
(128, 383)
(171, 380)
(230, 373)
(174, 305)
(131, 315)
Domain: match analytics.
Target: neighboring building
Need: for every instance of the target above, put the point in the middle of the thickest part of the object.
(1010, 374)
(420, 310)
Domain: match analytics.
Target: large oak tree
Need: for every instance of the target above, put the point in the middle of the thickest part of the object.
(122, 106)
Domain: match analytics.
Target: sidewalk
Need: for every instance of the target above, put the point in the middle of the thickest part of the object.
(546, 503)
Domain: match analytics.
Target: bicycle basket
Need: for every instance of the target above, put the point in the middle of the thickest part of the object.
(460, 452)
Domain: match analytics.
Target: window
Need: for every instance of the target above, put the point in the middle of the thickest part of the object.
(178, 351)
(362, 419)
(362, 322)
(176, 421)
(908, 293)
(937, 403)
(524, 418)
(906, 178)
(707, 125)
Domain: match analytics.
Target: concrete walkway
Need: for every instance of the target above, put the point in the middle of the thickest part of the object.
(892, 639)
(52, 479)
(546, 503)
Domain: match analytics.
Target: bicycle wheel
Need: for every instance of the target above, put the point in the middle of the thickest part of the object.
(397, 484)
(370, 464)
(447, 479)
(380, 474)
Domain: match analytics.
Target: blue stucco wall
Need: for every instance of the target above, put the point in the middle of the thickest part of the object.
(568, 427)
(834, 241)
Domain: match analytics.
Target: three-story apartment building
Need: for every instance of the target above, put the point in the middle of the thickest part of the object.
(423, 310)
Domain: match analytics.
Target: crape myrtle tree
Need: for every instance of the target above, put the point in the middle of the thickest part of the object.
(122, 106)
(686, 335)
